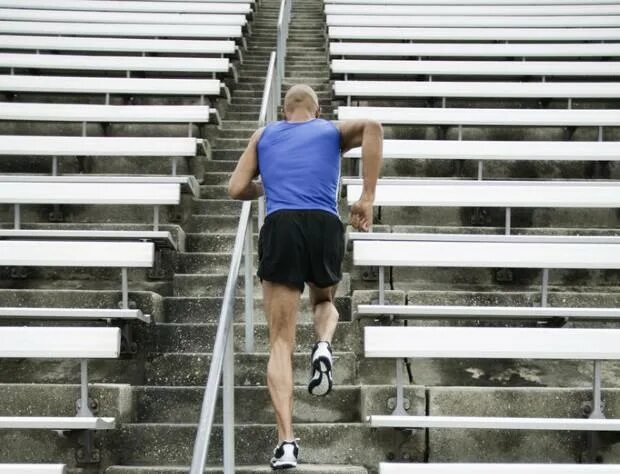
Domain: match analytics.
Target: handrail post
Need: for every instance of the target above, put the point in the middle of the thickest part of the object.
(228, 421)
(249, 288)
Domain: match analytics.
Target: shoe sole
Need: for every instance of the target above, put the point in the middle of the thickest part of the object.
(288, 465)
(323, 366)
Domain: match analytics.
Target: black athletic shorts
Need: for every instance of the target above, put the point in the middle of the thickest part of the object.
(297, 246)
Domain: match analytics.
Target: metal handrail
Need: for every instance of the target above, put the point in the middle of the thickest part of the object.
(222, 361)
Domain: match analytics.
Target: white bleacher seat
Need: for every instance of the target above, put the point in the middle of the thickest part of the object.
(590, 90)
(478, 68)
(187, 183)
(73, 314)
(131, 6)
(117, 45)
(391, 8)
(60, 342)
(460, 2)
(474, 49)
(509, 313)
(39, 253)
(114, 63)
(477, 116)
(207, 20)
(120, 29)
(486, 254)
(96, 146)
(471, 34)
(161, 239)
(597, 21)
(109, 85)
(113, 113)
(494, 468)
(84, 193)
(33, 469)
(489, 193)
(225, 1)
(496, 150)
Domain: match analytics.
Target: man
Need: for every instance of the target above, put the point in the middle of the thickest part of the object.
(302, 240)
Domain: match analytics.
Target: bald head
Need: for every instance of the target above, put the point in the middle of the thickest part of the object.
(301, 96)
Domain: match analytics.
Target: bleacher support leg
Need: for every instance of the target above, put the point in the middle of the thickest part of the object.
(594, 411)
(381, 285)
(16, 216)
(124, 289)
(54, 166)
(155, 218)
(544, 289)
(399, 409)
(507, 225)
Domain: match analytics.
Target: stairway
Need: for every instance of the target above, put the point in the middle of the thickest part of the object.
(161, 438)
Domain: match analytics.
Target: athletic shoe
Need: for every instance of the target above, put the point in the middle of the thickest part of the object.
(285, 455)
(321, 380)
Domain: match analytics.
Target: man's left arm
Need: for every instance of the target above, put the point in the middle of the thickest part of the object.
(242, 185)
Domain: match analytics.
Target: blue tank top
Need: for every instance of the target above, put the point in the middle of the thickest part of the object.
(299, 163)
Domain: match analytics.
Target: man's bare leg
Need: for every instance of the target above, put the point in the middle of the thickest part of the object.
(325, 313)
(281, 306)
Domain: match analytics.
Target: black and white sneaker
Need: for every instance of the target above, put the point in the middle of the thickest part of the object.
(321, 380)
(285, 455)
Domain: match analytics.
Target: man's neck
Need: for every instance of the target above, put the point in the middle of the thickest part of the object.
(300, 116)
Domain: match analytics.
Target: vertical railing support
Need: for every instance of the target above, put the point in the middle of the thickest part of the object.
(249, 288)
(228, 420)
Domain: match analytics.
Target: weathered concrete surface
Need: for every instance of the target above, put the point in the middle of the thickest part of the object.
(451, 445)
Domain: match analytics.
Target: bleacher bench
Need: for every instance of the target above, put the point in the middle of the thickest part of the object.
(117, 45)
(450, 20)
(534, 90)
(132, 6)
(474, 68)
(120, 29)
(85, 113)
(456, 2)
(469, 34)
(33, 469)
(73, 314)
(76, 16)
(493, 343)
(519, 50)
(81, 343)
(112, 85)
(499, 468)
(116, 63)
(477, 116)
(473, 9)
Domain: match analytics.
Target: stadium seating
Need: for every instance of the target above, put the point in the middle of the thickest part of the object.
(33, 468)
(471, 9)
(240, 7)
(474, 468)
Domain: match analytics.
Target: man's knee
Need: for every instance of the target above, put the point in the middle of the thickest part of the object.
(321, 295)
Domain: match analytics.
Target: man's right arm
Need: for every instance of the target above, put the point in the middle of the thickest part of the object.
(369, 135)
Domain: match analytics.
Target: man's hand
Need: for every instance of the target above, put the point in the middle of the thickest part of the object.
(361, 215)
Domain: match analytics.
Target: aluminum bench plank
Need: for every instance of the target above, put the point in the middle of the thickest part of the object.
(109, 85)
(68, 16)
(487, 312)
(492, 343)
(474, 49)
(90, 193)
(60, 342)
(135, 45)
(477, 116)
(161, 239)
(480, 68)
(486, 255)
(459, 2)
(43, 253)
(42, 145)
(490, 193)
(496, 150)
(594, 90)
(33, 468)
(432, 9)
(57, 423)
(113, 63)
(591, 21)
(471, 34)
(432, 237)
(107, 113)
(131, 6)
(73, 313)
(190, 183)
(493, 423)
(121, 30)
(497, 468)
